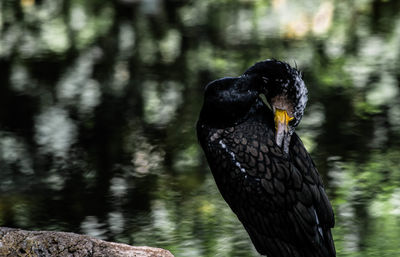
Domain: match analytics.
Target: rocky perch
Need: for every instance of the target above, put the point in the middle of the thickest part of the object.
(16, 242)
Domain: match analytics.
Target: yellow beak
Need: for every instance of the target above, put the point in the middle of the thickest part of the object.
(281, 125)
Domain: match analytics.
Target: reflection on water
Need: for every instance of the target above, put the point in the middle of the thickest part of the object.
(98, 101)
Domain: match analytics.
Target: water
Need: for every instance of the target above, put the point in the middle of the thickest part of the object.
(99, 99)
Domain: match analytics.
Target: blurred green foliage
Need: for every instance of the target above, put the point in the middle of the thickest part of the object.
(98, 102)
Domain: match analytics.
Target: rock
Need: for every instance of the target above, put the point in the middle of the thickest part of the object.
(16, 242)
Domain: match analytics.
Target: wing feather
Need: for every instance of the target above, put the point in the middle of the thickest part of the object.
(280, 200)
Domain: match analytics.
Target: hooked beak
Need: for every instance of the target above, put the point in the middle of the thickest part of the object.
(281, 125)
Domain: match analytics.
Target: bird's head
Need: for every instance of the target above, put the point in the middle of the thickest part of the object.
(230, 101)
(285, 92)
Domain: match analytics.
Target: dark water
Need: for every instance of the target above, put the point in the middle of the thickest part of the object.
(98, 102)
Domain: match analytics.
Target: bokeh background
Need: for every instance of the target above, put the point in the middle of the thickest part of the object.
(99, 100)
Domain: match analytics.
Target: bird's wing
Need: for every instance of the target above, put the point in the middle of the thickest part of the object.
(281, 203)
(323, 208)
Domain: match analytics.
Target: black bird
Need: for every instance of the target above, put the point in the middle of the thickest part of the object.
(246, 129)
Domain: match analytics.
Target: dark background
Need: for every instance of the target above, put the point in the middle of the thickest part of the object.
(99, 100)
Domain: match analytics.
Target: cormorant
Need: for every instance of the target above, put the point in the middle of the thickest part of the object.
(261, 167)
